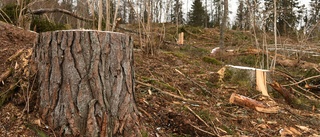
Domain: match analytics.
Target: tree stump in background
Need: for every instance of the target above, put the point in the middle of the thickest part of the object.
(86, 83)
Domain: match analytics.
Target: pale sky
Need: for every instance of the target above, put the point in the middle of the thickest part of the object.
(233, 5)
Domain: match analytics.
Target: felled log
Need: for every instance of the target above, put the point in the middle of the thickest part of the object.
(245, 101)
(253, 104)
(288, 96)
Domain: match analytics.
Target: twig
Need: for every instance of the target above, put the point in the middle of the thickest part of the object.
(202, 88)
(205, 123)
(302, 81)
(145, 112)
(42, 11)
(316, 69)
(294, 81)
(195, 114)
(15, 55)
(172, 95)
(207, 132)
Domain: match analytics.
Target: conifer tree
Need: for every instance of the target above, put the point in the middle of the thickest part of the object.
(240, 16)
(287, 17)
(314, 11)
(177, 13)
(314, 19)
(197, 15)
(218, 13)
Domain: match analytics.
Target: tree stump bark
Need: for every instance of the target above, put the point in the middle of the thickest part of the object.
(86, 83)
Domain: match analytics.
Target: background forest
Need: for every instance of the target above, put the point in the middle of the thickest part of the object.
(293, 18)
(183, 89)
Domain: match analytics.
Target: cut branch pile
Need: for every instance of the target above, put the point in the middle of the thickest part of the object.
(18, 76)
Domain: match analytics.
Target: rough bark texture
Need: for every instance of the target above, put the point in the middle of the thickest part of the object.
(86, 83)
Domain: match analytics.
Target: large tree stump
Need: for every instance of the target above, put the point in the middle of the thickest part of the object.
(86, 83)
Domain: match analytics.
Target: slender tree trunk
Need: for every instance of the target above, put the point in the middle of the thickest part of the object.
(275, 33)
(115, 16)
(86, 83)
(91, 9)
(223, 24)
(108, 13)
(100, 15)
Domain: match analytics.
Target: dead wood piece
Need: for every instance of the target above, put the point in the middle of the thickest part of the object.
(253, 104)
(204, 131)
(8, 93)
(172, 95)
(198, 36)
(312, 87)
(15, 55)
(145, 112)
(303, 80)
(295, 63)
(204, 122)
(42, 11)
(288, 96)
(245, 101)
(274, 109)
(288, 62)
(294, 81)
(5, 75)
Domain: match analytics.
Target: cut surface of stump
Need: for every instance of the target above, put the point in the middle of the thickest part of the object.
(86, 83)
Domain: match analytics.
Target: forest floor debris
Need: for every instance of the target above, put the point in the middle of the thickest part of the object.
(177, 93)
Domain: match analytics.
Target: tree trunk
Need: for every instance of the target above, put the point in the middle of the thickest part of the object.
(86, 83)
(223, 24)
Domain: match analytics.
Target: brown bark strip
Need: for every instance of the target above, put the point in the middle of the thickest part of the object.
(103, 132)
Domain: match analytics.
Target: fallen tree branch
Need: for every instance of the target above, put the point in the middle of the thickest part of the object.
(302, 80)
(294, 81)
(42, 11)
(204, 122)
(202, 88)
(8, 93)
(15, 55)
(190, 33)
(288, 96)
(204, 131)
(172, 95)
(5, 75)
(195, 114)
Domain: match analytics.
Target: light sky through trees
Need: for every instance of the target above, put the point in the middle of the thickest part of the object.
(233, 6)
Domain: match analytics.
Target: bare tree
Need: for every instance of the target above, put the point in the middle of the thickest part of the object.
(224, 23)
(115, 16)
(275, 33)
(91, 10)
(100, 5)
(108, 13)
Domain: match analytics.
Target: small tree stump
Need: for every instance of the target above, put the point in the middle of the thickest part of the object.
(86, 83)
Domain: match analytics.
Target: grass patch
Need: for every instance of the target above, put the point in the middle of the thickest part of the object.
(205, 115)
(249, 60)
(211, 60)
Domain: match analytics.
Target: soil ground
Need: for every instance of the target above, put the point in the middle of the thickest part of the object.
(178, 92)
